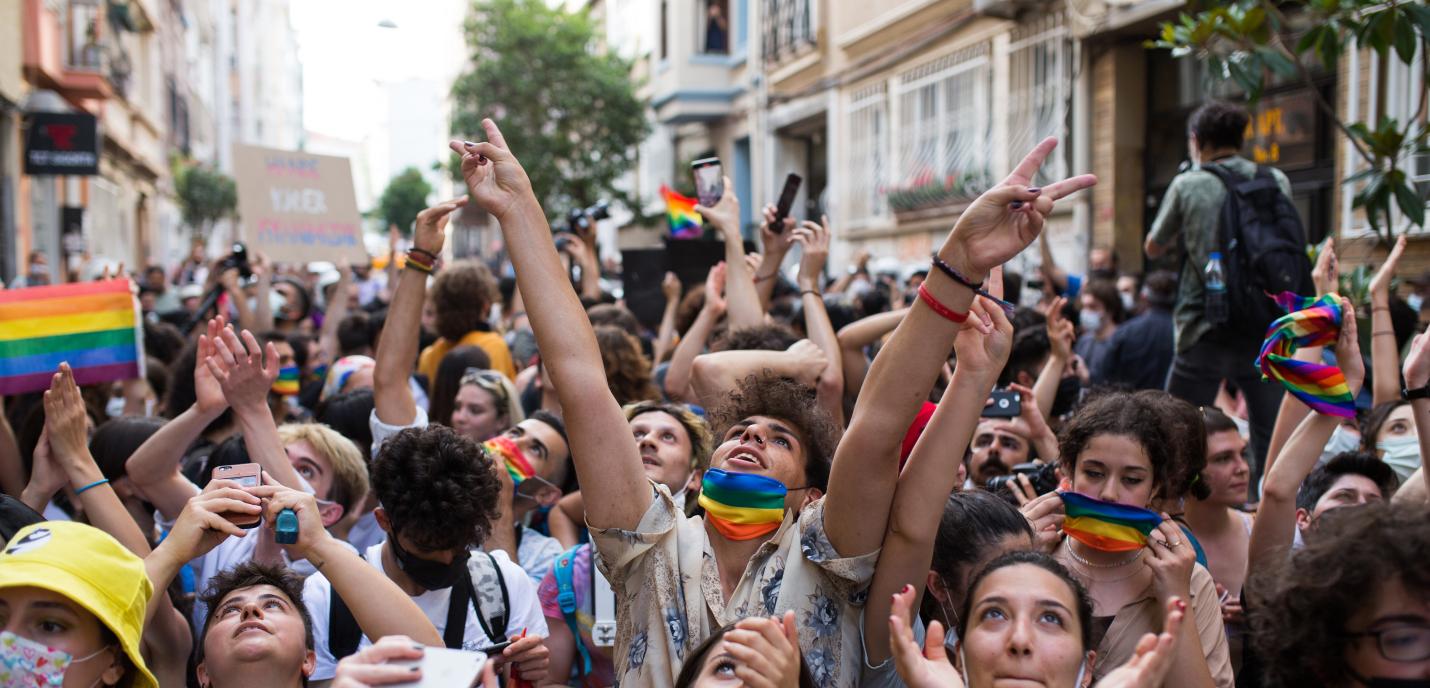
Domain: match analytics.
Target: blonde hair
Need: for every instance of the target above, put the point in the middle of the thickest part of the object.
(350, 482)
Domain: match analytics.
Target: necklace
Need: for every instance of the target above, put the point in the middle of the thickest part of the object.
(1073, 553)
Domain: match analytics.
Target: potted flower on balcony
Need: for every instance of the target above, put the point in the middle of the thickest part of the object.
(927, 195)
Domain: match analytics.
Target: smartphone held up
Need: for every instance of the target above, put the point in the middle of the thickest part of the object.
(709, 181)
(786, 203)
(246, 475)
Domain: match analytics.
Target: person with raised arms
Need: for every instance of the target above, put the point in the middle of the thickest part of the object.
(772, 541)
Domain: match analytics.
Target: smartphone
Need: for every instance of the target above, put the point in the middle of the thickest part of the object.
(1005, 404)
(246, 475)
(709, 181)
(447, 668)
(531, 487)
(498, 648)
(786, 202)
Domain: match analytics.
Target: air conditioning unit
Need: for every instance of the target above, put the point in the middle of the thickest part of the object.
(1006, 9)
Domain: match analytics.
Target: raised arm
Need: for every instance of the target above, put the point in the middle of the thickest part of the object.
(1049, 267)
(608, 465)
(854, 337)
(263, 286)
(1275, 526)
(995, 227)
(665, 336)
(745, 310)
(246, 370)
(813, 239)
(1060, 343)
(1417, 375)
(397, 349)
(154, 466)
(333, 317)
(677, 376)
(933, 472)
(1384, 355)
(775, 247)
(1326, 276)
(714, 375)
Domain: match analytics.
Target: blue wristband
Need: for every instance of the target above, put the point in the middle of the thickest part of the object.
(96, 483)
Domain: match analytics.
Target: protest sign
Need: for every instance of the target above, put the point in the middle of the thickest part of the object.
(298, 207)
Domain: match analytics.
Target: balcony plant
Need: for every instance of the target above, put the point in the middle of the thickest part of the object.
(927, 191)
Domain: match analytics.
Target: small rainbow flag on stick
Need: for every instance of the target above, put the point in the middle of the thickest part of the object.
(685, 223)
(1308, 322)
(1107, 526)
(94, 326)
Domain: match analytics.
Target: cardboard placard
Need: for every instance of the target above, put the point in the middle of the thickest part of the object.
(298, 207)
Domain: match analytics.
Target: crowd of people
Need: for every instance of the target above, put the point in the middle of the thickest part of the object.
(932, 479)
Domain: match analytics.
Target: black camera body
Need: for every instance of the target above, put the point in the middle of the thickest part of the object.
(238, 259)
(579, 219)
(1042, 476)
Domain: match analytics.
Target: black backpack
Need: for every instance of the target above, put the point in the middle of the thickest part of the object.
(1263, 252)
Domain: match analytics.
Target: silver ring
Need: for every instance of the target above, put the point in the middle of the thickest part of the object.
(1174, 543)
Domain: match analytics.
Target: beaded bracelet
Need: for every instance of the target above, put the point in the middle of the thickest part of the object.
(943, 311)
(432, 257)
(975, 287)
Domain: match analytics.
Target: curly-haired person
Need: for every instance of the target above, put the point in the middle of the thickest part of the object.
(1352, 607)
(438, 495)
(462, 297)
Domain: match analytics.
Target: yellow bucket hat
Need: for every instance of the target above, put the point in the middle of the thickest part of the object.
(90, 568)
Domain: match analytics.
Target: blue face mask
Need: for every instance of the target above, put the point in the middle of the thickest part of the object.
(1401, 454)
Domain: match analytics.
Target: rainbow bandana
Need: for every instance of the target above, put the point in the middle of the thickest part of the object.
(742, 506)
(1107, 526)
(516, 464)
(1308, 322)
(287, 382)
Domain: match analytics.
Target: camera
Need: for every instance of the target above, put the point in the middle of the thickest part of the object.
(1042, 476)
(238, 259)
(579, 219)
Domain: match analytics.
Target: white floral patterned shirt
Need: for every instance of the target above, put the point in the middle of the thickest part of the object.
(669, 598)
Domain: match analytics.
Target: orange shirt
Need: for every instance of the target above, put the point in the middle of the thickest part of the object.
(490, 342)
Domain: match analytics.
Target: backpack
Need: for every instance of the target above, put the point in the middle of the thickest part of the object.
(491, 605)
(564, 571)
(1263, 249)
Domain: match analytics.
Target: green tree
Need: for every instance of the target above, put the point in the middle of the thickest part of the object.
(568, 110)
(1246, 42)
(205, 197)
(405, 196)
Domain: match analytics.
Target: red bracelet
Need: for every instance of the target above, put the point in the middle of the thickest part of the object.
(944, 311)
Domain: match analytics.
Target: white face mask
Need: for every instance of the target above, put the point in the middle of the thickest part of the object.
(1129, 301)
(1091, 321)
(114, 408)
(1077, 682)
(1342, 440)
(1415, 301)
(1401, 454)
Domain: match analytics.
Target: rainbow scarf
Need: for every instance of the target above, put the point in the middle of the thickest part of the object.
(1107, 526)
(517, 466)
(287, 382)
(1308, 322)
(742, 506)
(93, 326)
(685, 223)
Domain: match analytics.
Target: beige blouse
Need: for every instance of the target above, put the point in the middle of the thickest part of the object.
(1143, 615)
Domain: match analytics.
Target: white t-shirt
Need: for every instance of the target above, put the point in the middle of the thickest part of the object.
(536, 553)
(523, 612)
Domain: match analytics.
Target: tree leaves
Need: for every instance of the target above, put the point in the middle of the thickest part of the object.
(205, 196)
(405, 196)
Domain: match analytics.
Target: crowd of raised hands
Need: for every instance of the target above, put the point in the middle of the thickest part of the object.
(824, 519)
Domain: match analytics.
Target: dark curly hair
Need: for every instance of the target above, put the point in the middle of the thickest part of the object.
(767, 337)
(787, 400)
(437, 488)
(627, 369)
(1189, 440)
(1303, 601)
(247, 575)
(1219, 124)
(1042, 561)
(462, 295)
(1120, 413)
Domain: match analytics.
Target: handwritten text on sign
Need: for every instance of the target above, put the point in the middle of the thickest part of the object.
(298, 207)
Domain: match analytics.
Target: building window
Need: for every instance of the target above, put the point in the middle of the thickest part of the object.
(945, 125)
(1404, 91)
(715, 28)
(1039, 91)
(664, 29)
(788, 28)
(868, 152)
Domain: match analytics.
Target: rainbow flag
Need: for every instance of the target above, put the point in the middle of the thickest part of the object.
(1107, 526)
(94, 326)
(685, 223)
(1308, 322)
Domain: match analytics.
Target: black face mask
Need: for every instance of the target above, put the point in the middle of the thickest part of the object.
(431, 575)
(1069, 391)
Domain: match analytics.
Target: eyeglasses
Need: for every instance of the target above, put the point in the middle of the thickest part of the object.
(1402, 643)
(489, 380)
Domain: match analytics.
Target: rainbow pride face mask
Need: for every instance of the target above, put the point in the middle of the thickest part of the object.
(1107, 526)
(287, 382)
(517, 465)
(742, 506)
